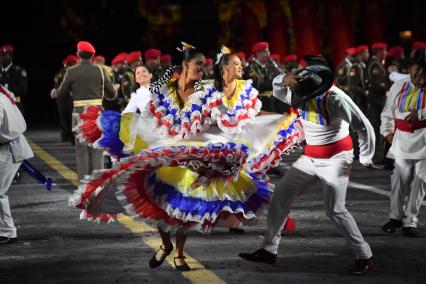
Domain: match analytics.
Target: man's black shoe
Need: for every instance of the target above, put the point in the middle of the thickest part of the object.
(261, 255)
(6, 240)
(362, 266)
(391, 226)
(410, 232)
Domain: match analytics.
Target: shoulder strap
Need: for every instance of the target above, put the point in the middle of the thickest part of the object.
(103, 80)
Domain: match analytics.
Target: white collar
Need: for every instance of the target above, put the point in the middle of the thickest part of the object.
(5, 69)
(348, 61)
(261, 65)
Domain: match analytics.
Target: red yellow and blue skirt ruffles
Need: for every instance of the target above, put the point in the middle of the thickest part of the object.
(207, 180)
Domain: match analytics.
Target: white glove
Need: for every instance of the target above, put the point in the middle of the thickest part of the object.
(53, 93)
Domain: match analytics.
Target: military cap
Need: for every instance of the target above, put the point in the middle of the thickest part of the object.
(152, 53)
(260, 46)
(379, 45)
(86, 47)
(165, 58)
(119, 58)
(7, 48)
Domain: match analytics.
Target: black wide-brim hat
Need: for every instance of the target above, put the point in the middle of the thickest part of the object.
(316, 80)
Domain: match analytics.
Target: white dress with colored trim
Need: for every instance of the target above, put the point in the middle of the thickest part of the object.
(185, 170)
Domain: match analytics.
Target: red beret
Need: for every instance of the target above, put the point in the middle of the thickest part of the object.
(7, 48)
(396, 51)
(361, 49)
(152, 53)
(303, 63)
(134, 56)
(70, 60)
(259, 46)
(418, 45)
(241, 55)
(351, 51)
(165, 58)
(86, 47)
(379, 45)
(209, 61)
(276, 57)
(290, 57)
(99, 58)
(120, 58)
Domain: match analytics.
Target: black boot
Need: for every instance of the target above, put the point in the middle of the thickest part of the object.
(362, 266)
(261, 255)
(391, 226)
(410, 232)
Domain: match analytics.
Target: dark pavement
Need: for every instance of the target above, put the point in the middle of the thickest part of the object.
(56, 247)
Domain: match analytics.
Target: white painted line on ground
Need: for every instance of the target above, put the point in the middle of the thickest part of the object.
(373, 189)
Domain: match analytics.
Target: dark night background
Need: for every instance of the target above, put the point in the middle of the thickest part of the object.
(44, 32)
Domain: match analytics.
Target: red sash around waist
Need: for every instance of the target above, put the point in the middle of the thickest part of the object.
(407, 126)
(328, 150)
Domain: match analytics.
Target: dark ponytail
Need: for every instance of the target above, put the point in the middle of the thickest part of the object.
(218, 80)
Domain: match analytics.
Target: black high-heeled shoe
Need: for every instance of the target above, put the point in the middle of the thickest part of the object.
(153, 262)
(183, 267)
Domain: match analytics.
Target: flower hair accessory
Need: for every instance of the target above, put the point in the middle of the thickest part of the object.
(185, 46)
(223, 50)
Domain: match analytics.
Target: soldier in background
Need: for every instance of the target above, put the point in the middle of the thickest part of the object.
(134, 59)
(152, 61)
(277, 59)
(357, 82)
(88, 83)
(100, 60)
(12, 76)
(166, 61)
(342, 70)
(123, 81)
(262, 71)
(64, 105)
(290, 63)
(378, 85)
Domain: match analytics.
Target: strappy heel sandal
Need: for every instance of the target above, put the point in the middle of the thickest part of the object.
(183, 267)
(153, 262)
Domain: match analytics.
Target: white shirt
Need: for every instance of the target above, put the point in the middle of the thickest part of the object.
(12, 126)
(396, 76)
(341, 112)
(138, 100)
(405, 145)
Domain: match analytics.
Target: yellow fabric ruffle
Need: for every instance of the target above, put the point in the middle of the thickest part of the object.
(183, 179)
(133, 143)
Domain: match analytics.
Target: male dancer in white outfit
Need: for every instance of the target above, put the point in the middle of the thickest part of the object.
(326, 113)
(13, 150)
(404, 126)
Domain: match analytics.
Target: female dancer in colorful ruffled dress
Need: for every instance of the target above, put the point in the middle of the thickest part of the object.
(188, 173)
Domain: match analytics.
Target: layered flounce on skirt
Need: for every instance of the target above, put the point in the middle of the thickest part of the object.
(209, 180)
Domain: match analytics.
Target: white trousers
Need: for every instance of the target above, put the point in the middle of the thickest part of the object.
(408, 190)
(334, 175)
(8, 169)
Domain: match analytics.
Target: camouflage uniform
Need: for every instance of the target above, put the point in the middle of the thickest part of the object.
(262, 77)
(14, 78)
